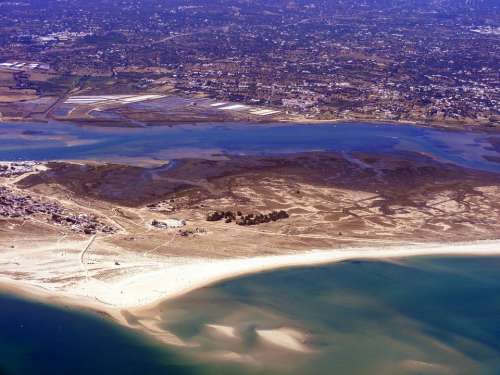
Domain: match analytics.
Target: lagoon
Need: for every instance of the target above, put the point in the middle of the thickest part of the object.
(65, 141)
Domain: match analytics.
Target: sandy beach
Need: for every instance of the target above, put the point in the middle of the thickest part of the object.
(174, 280)
(174, 277)
(137, 293)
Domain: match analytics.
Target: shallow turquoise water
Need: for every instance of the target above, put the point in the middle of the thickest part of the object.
(417, 316)
(420, 316)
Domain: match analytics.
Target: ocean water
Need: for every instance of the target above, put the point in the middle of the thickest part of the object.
(41, 141)
(429, 315)
(40, 339)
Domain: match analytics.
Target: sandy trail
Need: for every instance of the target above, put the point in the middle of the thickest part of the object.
(164, 244)
(82, 255)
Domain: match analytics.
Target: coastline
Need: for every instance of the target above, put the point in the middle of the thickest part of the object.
(42, 295)
(438, 125)
(195, 276)
(133, 302)
(146, 290)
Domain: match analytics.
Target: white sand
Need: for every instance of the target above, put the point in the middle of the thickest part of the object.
(286, 338)
(154, 280)
(177, 279)
(225, 331)
(146, 281)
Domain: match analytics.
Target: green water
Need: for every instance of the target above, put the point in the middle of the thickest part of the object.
(420, 316)
(417, 316)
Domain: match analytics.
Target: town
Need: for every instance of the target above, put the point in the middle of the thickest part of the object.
(292, 60)
(17, 205)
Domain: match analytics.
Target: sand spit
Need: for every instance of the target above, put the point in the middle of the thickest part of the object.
(155, 280)
(151, 287)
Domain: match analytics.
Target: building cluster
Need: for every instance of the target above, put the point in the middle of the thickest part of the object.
(191, 232)
(319, 59)
(17, 66)
(14, 169)
(18, 206)
(168, 223)
(162, 206)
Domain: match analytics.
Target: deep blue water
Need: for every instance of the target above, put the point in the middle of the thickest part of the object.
(417, 316)
(67, 141)
(39, 339)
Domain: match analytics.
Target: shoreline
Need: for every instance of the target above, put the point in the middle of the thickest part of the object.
(145, 292)
(148, 289)
(241, 267)
(469, 127)
(38, 294)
